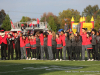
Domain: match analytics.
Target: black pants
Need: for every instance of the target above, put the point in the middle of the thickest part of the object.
(10, 51)
(28, 52)
(95, 52)
(46, 52)
(90, 51)
(69, 52)
(17, 51)
(38, 49)
(58, 54)
(3, 51)
(33, 53)
(98, 51)
(54, 51)
(78, 50)
(74, 52)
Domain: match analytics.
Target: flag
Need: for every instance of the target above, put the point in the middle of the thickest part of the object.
(12, 25)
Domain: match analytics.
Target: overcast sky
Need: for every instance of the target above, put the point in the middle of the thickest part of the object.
(35, 8)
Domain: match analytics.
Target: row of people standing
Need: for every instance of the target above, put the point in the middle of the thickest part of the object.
(49, 44)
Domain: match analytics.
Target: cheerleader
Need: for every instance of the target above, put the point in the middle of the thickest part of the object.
(89, 45)
(33, 46)
(68, 46)
(27, 46)
(59, 47)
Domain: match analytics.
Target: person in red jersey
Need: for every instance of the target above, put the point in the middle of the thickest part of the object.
(49, 44)
(33, 46)
(64, 44)
(22, 46)
(84, 37)
(59, 47)
(3, 42)
(28, 46)
(40, 34)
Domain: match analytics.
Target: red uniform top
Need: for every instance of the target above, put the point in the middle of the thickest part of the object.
(33, 41)
(3, 39)
(27, 41)
(49, 41)
(22, 42)
(84, 38)
(63, 39)
(41, 39)
(58, 40)
(88, 40)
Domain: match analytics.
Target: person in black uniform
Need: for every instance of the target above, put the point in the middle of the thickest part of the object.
(78, 49)
(95, 52)
(37, 46)
(17, 46)
(72, 37)
(10, 46)
(68, 46)
(45, 45)
(54, 44)
(98, 44)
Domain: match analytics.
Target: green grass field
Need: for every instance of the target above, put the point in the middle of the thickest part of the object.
(47, 67)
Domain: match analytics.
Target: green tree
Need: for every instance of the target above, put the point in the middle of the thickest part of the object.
(69, 13)
(91, 11)
(25, 19)
(6, 23)
(52, 23)
(97, 23)
(88, 19)
(46, 17)
(2, 16)
(77, 19)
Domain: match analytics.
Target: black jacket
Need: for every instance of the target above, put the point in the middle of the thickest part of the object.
(68, 42)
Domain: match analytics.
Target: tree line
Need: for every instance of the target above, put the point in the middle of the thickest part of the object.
(58, 22)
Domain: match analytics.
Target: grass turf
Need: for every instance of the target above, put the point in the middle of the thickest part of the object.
(47, 67)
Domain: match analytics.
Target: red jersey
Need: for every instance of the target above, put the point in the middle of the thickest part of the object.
(41, 39)
(84, 38)
(22, 42)
(63, 39)
(49, 41)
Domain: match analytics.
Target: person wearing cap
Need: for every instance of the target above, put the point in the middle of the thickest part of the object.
(62, 36)
(3, 43)
(84, 38)
(22, 46)
(10, 46)
(17, 46)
